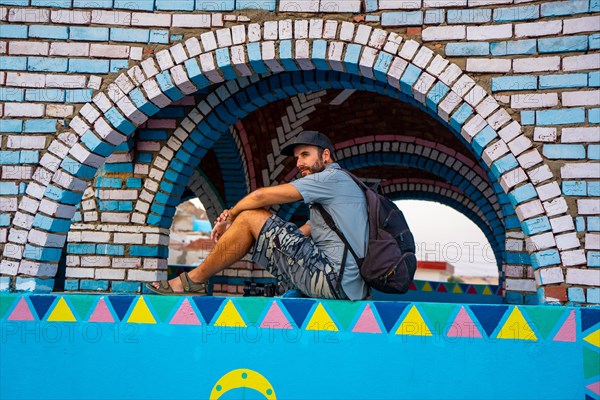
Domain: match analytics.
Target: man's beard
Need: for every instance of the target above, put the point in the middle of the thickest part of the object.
(318, 166)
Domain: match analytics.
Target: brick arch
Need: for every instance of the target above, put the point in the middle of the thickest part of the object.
(428, 79)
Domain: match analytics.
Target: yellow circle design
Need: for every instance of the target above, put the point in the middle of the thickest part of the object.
(243, 378)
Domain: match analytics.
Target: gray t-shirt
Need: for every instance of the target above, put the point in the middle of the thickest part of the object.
(345, 201)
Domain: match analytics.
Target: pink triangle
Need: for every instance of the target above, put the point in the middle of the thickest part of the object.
(275, 319)
(22, 312)
(594, 387)
(366, 322)
(568, 332)
(101, 313)
(463, 326)
(185, 315)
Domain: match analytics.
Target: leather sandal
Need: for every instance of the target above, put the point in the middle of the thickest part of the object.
(189, 287)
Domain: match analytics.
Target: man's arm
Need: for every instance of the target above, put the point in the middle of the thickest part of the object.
(264, 197)
(305, 229)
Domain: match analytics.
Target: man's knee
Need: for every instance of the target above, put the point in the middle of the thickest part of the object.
(255, 219)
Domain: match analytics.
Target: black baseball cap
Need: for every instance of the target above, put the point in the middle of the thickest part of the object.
(312, 138)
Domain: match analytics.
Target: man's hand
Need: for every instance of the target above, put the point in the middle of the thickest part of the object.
(222, 223)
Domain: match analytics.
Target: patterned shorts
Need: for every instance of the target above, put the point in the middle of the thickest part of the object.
(283, 250)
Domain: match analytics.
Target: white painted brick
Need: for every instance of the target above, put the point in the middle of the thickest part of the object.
(124, 83)
(512, 178)
(106, 17)
(23, 79)
(315, 30)
(588, 206)
(224, 38)
(109, 273)
(23, 110)
(216, 20)
(145, 276)
(550, 276)
(8, 267)
(592, 241)
(585, 24)
(521, 285)
(131, 112)
(86, 157)
(18, 236)
(57, 209)
(239, 62)
(510, 132)
(330, 30)
(498, 119)
(437, 65)
(581, 98)
(580, 170)
(534, 100)
(301, 29)
(270, 30)
(135, 262)
(95, 261)
(94, 82)
(28, 48)
(589, 277)
(164, 59)
(150, 19)
(193, 46)
(72, 17)
(548, 191)
(334, 56)
(109, 51)
(302, 55)
(395, 72)
(3, 13)
(309, 6)
(514, 245)
(399, 5)
(540, 242)
(580, 135)
(473, 127)
(238, 34)
(378, 39)
(46, 239)
(448, 105)
(488, 65)
(450, 75)
(409, 49)
(209, 42)
(562, 224)
(26, 142)
(423, 57)
(545, 134)
(487, 32)
(182, 81)
(192, 21)
(463, 85)
(494, 151)
(556, 207)
(567, 241)
(435, 33)
(35, 16)
(78, 272)
(362, 34)
(476, 97)
(70, 49)
(102, 101)
(536, 64)
(528, 210)
(149, 67)
(422, 86)
(540, 174)
(347, 31)
(530, 158)
(535, 29)
(65, 81)
(584, 62)
(134, 238)
(17, 172)
(254, 32)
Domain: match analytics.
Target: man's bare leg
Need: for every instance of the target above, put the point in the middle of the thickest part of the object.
(235, 243)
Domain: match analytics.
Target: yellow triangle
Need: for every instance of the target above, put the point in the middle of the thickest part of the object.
(516, 327)
(427, 287)
(62, 312)
(457, 289)
(230, 316)
(321, 321)
(487, 290)
(141, 313)
(413, 324)
(593, 338)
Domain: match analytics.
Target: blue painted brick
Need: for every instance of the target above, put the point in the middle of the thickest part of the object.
(593, 258)
(285, 55)
(402, 18)
(460, 116)
(110, 249)
(77, 169)
(81, 248)
(119, 122)
(40, 125)
(175, 5)
(12, 94)
(594, 152)
(532, 299)
(129, 35)
(96, 145)
(209, 5)
(434, 17)
(147, 251)
(125, 287)
(13, 63)
(319, 54)
(435, 95)
(92, 3)
(52, 3)
(159, 36)
(594, 115)
(29, 157)
(47, 64)
(560, 117)
(8, 188)
(117, 65)
(514, 298)
(143, 104)
(113, 205)
(88, 34)
(15, 3)
(594, 41)
(49, 32)
(517, 258)
(521, 194)
(563, 81)
(166, 85)
(267, 5)
(175, 38)
(564, 151)
(51, 224)
(78, 95)
(42, 253)
(563, 44)
(96, 285)
(504, 164)
(88, 66)
(545, 258)
(13, 31)
(134, 183)
(595, 6)
(45, 95)
(594, 188)
(138, 5)
(119, 168)
(593, 295)
(593, 224)
(503, 83)
(468, 49)
(562, 8)
(469, 16)
(594, 79)
(112, 183)
(4, 220)
(576, 295)
(11, 125)
(580, 224)
(483, 138)
(536, 225)
(9, 157)
(72, 285)
(574, 188)
(528, 46)
(523, 13)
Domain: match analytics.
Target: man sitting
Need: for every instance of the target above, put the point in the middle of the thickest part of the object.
(308, 258)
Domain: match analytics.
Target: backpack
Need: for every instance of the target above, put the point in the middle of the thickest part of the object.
(390, 262)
